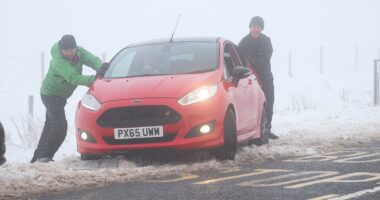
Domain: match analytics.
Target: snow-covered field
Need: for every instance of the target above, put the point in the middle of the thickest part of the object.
(313, 113)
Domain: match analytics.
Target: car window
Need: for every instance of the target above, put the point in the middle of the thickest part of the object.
(242, 57)
(165, 58)
(123, 61)
(231, 59)
(228, 63)
(235, 57)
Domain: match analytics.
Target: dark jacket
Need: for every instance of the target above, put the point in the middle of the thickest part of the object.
(259, 52)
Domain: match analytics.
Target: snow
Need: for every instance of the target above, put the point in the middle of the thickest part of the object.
(311, 116)
(314, 113)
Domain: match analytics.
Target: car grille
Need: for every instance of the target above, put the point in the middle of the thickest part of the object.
(136, 116)
(167, 138)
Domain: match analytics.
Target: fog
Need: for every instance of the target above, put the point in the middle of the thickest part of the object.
(311, 109)
(30, 26)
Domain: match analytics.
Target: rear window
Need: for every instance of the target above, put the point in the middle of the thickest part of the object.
(165, 59)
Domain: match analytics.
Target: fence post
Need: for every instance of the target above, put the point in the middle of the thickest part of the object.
(30, 105)
(30, 113)
(42, 65)
(376, 83)
(290, 65)
(321, 70)
(356, 57)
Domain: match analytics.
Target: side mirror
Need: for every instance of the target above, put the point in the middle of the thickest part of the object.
(240, 73)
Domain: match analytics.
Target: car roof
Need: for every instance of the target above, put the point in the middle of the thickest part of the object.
(167, 40)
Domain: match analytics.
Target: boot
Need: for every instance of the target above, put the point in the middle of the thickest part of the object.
(34, 159)
(2, 160)
(273, 136)
(44, 160)
(2, 152)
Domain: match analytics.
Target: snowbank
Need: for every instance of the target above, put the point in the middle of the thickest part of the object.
(300, 134)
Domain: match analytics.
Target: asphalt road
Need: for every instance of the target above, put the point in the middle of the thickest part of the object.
(352, 173)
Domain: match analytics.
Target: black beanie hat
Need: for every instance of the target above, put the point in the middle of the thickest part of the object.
(257, 20)
(67, 42)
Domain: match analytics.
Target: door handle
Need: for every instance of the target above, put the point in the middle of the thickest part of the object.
(250, 82)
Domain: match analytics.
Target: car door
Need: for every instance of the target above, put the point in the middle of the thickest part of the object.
(243, 93)
(253, 95)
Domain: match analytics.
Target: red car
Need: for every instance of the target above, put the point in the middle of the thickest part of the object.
(194, 93)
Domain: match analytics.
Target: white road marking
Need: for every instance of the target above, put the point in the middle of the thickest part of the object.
(326, 197)
(342, 179)
(357, 194)
(314, 175)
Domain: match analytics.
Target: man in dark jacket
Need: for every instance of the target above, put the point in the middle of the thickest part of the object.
(2, 145)
(64, 75)
(258, 49)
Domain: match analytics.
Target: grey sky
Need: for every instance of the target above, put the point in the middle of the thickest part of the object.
(30, 26)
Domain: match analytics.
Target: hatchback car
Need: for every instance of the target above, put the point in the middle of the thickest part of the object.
(194, 93)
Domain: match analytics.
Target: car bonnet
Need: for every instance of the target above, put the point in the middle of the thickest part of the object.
(164, 86)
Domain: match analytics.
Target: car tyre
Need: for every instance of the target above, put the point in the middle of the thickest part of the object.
(264, 138)
(228, 150)
(90, 157)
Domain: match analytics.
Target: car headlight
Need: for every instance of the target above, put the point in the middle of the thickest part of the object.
(90, 102)
(199, 94)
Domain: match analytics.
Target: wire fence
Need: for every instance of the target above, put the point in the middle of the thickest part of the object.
(31, 69)
(322, 60)
(21, 77)
(291, 63)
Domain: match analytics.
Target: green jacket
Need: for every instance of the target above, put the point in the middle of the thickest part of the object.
(64, 75)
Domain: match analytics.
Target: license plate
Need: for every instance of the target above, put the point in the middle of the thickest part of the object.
(138, 132)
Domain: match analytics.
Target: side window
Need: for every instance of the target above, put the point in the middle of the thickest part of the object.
(231, 59)
(235, 56)
(228, 64)
(242, 57)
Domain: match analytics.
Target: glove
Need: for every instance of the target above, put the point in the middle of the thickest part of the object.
(102, 70)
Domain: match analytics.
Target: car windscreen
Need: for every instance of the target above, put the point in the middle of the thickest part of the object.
(164, 59)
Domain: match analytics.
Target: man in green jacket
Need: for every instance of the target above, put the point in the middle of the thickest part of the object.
(64, 75)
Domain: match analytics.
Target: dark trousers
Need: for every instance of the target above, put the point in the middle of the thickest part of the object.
(268, 88)
(55, 129)
(2, 141)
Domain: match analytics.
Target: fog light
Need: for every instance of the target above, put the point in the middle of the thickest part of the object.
(84, 136)
(202, 129)
(205, 129)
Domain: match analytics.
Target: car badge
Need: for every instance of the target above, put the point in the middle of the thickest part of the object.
(167, 113)
(136, 101)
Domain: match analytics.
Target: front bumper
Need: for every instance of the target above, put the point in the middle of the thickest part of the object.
(210, 110)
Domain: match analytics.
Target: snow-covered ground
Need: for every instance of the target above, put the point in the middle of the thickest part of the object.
(313, 113)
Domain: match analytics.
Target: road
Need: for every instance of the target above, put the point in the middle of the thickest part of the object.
(351, 173)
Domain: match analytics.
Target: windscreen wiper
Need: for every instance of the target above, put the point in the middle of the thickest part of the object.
(200, 71)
